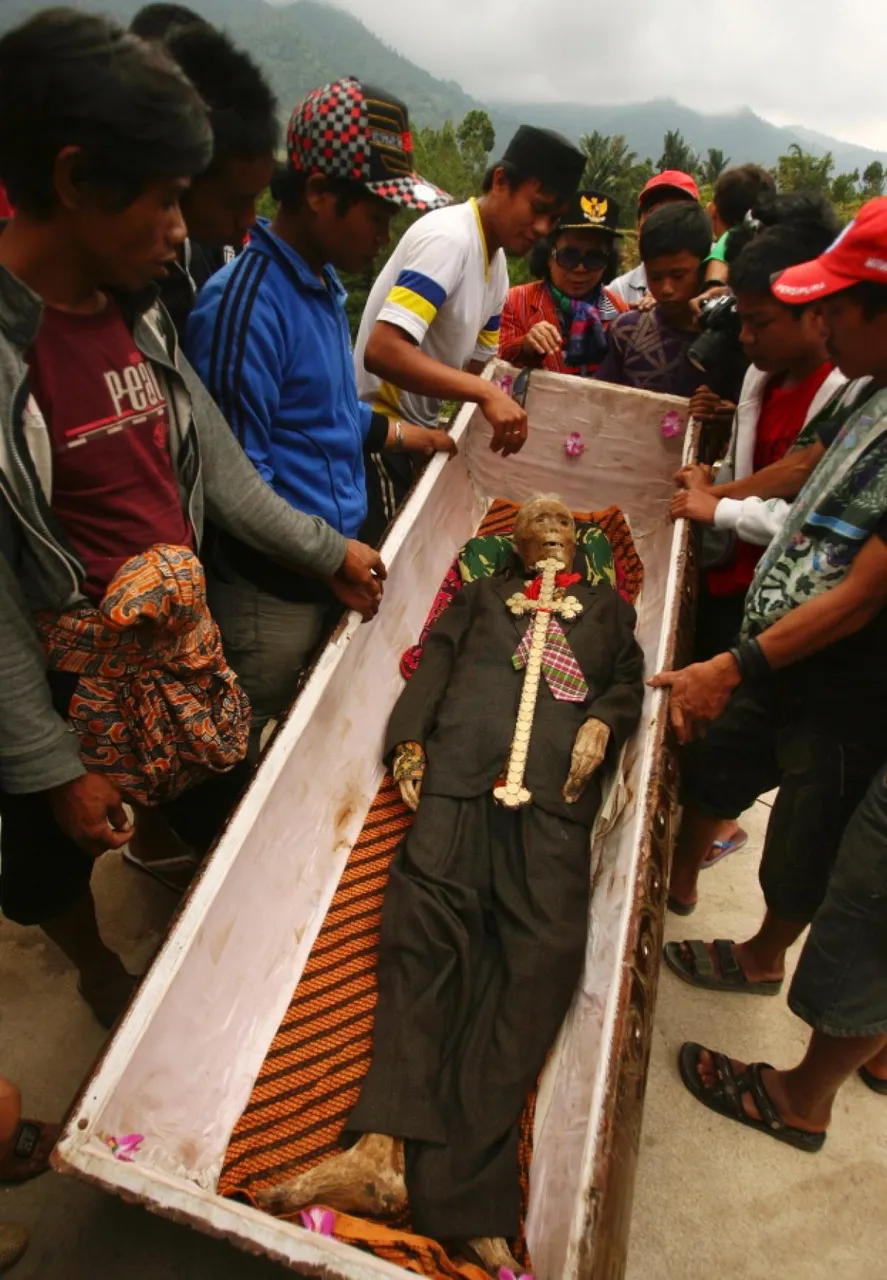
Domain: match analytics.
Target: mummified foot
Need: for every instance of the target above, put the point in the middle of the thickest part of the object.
(494, 1254)
(367, 1179)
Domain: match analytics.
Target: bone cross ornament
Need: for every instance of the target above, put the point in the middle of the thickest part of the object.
(512, 794)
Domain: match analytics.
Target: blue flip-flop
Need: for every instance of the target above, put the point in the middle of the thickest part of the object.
(725, 848)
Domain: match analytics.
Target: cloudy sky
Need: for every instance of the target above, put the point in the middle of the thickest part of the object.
(818, 63)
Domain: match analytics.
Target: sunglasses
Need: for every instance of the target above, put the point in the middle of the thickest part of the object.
(571, 259)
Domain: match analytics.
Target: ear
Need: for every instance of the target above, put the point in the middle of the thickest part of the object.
(68, 177)
(317, 192)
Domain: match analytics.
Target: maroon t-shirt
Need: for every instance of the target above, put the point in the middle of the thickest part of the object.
(113, 486)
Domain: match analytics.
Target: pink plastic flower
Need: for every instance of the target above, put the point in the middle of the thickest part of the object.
(671, 424)
(574, 445)
(125, 1148)
(319, 1220)
(505, 1273)
(506, 382)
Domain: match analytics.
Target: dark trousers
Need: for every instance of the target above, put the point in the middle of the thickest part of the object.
(763, 740)
(840, 984)
(484, 929)
(43, 873)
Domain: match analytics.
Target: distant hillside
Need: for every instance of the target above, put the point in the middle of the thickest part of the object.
(308, 43)
(741, 135)
(303, 45)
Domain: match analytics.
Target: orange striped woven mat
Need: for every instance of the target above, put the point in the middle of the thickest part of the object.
(311, 1076)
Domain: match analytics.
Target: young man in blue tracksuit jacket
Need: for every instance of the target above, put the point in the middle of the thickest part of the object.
(269, 336)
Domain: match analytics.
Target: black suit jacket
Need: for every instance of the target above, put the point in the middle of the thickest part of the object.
(461, 703)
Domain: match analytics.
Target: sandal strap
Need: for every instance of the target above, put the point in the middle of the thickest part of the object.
(729, 1086)
(27, 1138)
(702, 965)
(727, 963)
(751, 1081)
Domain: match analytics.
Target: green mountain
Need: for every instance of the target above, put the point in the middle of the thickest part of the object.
(741, 134)
(307, 43)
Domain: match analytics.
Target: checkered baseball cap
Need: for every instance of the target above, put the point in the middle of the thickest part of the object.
(350, 130)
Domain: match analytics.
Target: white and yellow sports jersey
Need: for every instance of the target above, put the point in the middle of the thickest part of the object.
(441, 287)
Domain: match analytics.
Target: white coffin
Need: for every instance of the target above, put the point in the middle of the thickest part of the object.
(182, 1064)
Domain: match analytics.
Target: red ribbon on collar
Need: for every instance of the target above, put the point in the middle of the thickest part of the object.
(561, 580)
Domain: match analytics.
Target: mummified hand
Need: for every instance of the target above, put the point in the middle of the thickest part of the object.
(408, 770)
(589, 750)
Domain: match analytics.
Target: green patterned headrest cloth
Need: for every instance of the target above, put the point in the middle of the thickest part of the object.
(485, 556)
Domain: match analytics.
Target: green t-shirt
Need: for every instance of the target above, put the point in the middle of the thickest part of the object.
(719, 249)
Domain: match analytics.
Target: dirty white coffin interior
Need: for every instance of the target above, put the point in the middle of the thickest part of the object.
(180, 1068)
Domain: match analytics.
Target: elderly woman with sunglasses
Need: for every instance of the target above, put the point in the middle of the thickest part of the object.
(560, 322)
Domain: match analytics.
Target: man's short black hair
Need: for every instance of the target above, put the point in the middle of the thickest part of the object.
(288, 189)
(784, 244)
(158, 21)
(740, 189)
(242, 107)
(804, 209)
(683, 227)
(869, 295)
(69, 79)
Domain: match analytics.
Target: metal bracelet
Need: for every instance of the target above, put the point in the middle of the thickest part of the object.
(398, 434)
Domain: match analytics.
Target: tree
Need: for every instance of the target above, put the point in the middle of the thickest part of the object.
(608, 160)
(844, 188)
(677, 153)
(873, 180)
(713, 166)
(802, 171)
(476, 138)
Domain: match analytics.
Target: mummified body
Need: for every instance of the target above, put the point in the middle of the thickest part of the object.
(485, 917)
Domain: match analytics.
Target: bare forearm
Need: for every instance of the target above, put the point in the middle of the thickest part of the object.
(391, 355)
(783, 479)
(820, 623)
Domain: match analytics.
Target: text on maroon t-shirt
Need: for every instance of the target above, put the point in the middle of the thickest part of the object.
(114, 490)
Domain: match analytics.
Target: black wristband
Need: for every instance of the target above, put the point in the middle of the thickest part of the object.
(751, 660)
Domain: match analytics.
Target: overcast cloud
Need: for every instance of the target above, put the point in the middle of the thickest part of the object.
(818, 63)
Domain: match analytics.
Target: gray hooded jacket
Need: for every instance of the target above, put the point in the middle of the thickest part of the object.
(38, 567)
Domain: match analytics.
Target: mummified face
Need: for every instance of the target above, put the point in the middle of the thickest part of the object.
(545, 529)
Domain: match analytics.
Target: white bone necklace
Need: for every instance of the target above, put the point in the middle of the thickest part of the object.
(512, 794)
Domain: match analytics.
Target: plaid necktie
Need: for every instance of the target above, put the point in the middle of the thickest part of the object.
(560, 668)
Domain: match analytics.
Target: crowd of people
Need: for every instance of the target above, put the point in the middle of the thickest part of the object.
(196, 471)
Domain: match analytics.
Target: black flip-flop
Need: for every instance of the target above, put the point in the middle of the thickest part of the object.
(725, 1097)
(680, 908)
(699, 970)
(875, 1083)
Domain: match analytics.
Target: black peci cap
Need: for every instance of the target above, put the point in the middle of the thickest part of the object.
(547, 156)
(591, 209)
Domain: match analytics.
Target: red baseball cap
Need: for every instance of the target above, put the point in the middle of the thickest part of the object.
(675, 179)
(859, 253)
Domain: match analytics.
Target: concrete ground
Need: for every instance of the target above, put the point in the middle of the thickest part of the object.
(712, 1199)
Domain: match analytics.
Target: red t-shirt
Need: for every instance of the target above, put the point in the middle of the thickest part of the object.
(783, 414)
(113, 487)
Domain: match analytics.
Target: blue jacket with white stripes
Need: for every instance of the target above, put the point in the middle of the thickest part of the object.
(271, 342)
